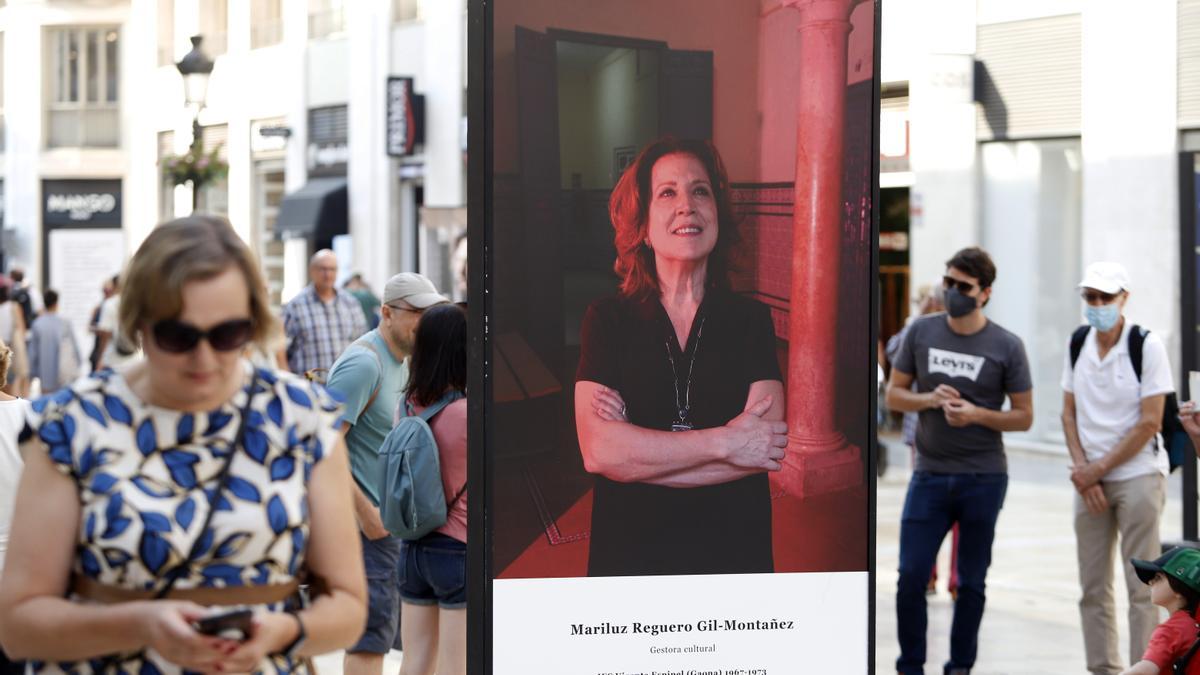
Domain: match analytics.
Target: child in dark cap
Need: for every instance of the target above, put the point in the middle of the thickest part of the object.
(1179, 568)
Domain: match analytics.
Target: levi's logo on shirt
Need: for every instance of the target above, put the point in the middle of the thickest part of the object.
(955, 364)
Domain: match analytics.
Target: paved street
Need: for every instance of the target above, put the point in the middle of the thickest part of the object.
(1031, 625)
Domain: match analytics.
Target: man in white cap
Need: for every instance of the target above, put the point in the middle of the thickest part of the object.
(371, 375)
(1112, 411)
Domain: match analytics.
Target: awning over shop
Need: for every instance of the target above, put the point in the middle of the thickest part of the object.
(316, 211)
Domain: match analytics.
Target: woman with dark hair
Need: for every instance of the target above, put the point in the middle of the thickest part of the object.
(433, 588)
(678, 397)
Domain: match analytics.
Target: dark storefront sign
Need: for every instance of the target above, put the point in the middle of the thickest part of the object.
(81, 203)
(405, 117)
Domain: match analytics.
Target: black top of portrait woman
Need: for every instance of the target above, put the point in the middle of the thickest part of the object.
(641, 529)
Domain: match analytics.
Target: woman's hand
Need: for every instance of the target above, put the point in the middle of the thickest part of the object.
(608, 404)
(167, 629)
(756, 443)
(270, 633)
(1189, 415)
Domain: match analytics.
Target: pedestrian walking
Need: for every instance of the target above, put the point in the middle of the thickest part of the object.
(964, 366)
(1112, 413)
(321, 320)
(26, 295)
(106, 292)
(370, 376)
(362, 292)
(433, 579)
(116, 348)
(53, 352)
(184, 479)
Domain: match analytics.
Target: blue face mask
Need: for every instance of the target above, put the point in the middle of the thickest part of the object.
(1104, 317)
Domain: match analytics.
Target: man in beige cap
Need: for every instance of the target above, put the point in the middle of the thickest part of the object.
(1111, 415)
(371, 375)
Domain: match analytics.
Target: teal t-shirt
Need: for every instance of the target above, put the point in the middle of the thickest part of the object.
(364, 365)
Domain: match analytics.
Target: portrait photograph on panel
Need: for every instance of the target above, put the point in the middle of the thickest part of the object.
(681, 266)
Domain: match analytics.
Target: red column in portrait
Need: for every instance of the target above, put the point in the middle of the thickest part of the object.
(819, 457)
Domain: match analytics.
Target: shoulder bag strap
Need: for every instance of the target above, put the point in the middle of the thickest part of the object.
(435, 407)
(214, 497)
(446, 399)
(378, 360)
(1137, 338)
(1180, 666)
(1077, 339)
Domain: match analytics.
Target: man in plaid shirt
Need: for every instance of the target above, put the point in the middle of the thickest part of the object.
(321, 320)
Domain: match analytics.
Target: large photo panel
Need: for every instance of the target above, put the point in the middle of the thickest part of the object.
(679, 334)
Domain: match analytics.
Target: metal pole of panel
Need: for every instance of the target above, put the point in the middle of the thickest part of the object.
(1189, 260)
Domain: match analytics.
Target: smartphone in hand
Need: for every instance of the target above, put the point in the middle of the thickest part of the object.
(231, 624)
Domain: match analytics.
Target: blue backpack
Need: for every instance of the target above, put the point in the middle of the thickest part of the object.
(412, 502)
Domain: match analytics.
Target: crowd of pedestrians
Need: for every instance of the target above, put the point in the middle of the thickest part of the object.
(210, 455)
(202, 492)
(962, 381)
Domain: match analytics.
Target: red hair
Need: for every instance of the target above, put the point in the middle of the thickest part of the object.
(629, 206)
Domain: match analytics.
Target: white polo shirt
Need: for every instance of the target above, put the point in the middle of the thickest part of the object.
(1108, 399)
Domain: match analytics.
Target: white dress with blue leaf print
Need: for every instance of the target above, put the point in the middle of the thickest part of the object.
(145, 475)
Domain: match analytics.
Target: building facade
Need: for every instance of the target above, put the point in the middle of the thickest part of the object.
(93, 109)
(1051, 133)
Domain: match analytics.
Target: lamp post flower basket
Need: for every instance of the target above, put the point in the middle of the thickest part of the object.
(196, 166)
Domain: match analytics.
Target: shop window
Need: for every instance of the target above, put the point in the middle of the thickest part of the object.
(326, 19)
(214, 26)
(214, 196)
(407, 10)
(83, 101)
(166, 32)
(266, 23)
(1, 91)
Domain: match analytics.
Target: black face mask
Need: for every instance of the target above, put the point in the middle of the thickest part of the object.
(959, 305)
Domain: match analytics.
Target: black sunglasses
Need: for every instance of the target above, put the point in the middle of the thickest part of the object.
(964, 287)
(1092, 297)
(177, 337)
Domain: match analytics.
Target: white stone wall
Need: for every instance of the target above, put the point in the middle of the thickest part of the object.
(1130, 140)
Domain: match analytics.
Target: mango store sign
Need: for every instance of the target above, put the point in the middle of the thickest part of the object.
(76, 202)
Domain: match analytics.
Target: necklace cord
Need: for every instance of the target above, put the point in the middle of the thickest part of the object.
(687, 394)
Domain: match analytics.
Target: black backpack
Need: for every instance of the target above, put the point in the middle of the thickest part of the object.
(1174, 437)
(21, 297)
(1180, 666)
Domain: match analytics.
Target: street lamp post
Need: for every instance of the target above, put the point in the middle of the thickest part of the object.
(195, 68)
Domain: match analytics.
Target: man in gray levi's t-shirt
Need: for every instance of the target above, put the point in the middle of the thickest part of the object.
(964, 366)
(983, 367)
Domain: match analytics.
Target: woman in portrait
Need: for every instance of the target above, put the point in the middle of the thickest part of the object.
(181, 484)
(679, 400)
